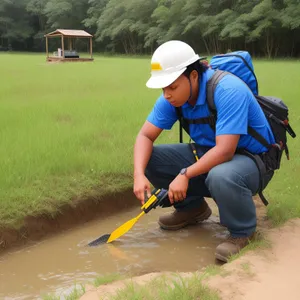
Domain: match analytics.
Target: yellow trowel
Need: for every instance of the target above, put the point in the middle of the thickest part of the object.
(156, 199)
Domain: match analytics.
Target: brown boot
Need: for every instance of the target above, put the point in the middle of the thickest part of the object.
(231, 246)
(179, 219)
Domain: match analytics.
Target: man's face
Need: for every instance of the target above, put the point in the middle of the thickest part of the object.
(179, 91)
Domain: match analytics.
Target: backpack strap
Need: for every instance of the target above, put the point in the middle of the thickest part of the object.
(210, 91)
(182, 124)
(261, 170)
(211, 120)
(258, 137)
(211, 87)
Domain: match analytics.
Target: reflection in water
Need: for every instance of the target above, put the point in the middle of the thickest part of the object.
(52, 266)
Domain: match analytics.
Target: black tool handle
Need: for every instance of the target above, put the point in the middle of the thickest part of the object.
(159, 199)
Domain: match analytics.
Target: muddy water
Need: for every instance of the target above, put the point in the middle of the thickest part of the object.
(58, 263)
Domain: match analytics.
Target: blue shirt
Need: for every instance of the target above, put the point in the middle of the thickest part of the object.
(236, 107)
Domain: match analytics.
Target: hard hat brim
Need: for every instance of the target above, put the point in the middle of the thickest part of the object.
(163, 80)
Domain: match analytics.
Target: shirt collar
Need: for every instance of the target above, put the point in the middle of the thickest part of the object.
(202, 88)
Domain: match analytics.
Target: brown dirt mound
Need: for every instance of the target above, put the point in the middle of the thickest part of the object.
(37, 227)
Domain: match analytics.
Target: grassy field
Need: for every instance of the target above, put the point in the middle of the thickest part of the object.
(280, 79)
(68, 129)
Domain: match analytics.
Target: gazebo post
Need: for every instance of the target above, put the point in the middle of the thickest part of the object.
(47, 52)
(91, 47)
(63, 45)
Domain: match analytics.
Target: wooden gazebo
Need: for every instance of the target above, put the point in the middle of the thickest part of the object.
(69, 53)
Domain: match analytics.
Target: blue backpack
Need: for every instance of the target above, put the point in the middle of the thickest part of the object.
(240, 64)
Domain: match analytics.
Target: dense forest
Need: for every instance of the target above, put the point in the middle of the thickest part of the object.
(266, 28)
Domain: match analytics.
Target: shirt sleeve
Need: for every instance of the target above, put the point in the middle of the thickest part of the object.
(232, 106)
(163, 114)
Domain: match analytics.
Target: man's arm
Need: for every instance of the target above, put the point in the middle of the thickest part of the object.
(143, 146)
(142, 152)
(232, 106)
(223, 151)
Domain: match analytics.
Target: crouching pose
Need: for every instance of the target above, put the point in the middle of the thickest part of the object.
(231, 179)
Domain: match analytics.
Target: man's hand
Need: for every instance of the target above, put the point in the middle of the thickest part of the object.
(178, 188)
(141, 184)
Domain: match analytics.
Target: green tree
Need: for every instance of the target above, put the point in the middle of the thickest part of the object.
(14, 22)
(95, 10)
(165, 23)
(291, 21)
(36, 8)
(66, 14)
(202, 22)
(265, 23)
(123, 24)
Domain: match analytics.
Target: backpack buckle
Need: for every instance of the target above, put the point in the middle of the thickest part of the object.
(278, 146)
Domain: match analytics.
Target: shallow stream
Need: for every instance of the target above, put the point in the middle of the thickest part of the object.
(56, 264)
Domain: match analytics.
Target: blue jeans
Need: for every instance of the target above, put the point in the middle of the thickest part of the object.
(231, 184)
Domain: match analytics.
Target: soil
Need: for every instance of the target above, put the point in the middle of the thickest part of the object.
(79, 211)
(265, 274)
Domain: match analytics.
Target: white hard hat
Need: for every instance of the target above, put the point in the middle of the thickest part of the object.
(168, 62)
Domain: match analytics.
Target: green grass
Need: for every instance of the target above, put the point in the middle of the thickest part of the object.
(212, 270)
(258, 243)
(246, 267)
(68, 130)
(101, 280)
(163, 288)
(280, 78)
(74, 294)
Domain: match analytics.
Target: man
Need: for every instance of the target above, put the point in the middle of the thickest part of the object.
(230, 179)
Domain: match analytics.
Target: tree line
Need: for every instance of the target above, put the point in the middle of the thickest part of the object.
(263, 27)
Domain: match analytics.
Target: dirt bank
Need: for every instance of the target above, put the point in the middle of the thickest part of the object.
(78, 212)
(271, 274)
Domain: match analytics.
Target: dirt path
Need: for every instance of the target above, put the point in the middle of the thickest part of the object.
(268, 274)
